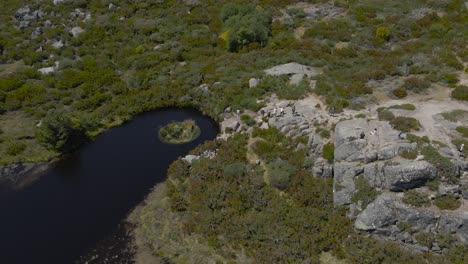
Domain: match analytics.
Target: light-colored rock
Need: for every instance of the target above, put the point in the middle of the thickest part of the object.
(292, 68)
(112, 6)
(253, 82)
(76, 31)
(57, 44)
(46, 70)
(296, 78)
(401, 176)
(378, 214)
(343, 181)
(448, 189)
(36, 32)
(408, 175)
(190, 158)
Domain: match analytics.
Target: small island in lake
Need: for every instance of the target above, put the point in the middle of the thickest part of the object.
(179, 132)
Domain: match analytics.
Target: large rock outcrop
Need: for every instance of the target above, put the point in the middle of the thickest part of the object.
(367, 147)
(399, 176)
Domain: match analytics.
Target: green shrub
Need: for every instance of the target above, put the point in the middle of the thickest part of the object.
(324, 133)
(409, 107)
(460, 93)
(364, 192)
(57, 132)
(462, 130)
(245, 25)
(234, 170)
(416, 84)
(405, 124)
(10, 83)
(409, 154)
(425, 238)
(455, 115)
(445, 240)
(447, 202)
(433, 185)
(248, 120)
(415, 198)
(385, 115)
(383, 33)
(400, 92)
(445, 168)
(329, 152)
(15, 148)
(280, 172)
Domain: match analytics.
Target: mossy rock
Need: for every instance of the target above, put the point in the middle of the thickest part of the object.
(179, 132)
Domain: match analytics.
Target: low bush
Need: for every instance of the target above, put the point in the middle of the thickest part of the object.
(455, 115)
(415, 198)
(433, 185)
(15, 148)
(447, 202)
(409, 107)
(416, 84)
(460, 93)
(445, 168)
(462, 130)
(409, 154)
(400, 92)
(365, 193)
(425, 238)
(280, 172)
(248, 120)
(234, 170)
(329, 152)
(405, 124)
(385, 114)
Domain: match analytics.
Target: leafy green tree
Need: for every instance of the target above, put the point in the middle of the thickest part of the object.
(58, 132)
(245, 25)
(383, 33)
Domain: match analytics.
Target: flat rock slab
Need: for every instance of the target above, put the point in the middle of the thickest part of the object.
(292, 68)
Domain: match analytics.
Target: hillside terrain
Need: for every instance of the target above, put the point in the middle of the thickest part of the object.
(343, 124)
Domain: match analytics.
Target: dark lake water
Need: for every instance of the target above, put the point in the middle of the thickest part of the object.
(84, 198)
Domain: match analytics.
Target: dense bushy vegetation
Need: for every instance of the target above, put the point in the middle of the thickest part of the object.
(415, 198)
(147, 55)
(179, 132)
(230, 209)
(245, 25)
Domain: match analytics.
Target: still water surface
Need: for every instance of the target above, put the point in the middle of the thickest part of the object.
(84, 198)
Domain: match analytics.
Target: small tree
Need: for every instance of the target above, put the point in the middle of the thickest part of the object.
(382, 32)
(57, 132)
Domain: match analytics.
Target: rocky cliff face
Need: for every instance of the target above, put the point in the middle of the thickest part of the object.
(371, 150)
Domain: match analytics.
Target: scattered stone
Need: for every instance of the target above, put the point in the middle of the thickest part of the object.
(253, 82)
(36, 32)
(190, 158)
(296, 78)
(76, 31)
(264, 126)
(57, 44)
(46, 70)
(26, 13)
(113, 7)
(292, 68)
(448, 189)
(378, 214)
